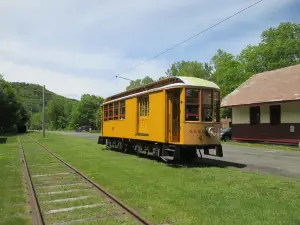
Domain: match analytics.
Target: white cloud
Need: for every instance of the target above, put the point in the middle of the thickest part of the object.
(74, 86)
(75, 47)
(101, 61)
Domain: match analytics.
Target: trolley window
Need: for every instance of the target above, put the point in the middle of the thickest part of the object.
(192, 104)
(116, 110)
(105, 112)
(122, 110)
(216, 106)
(110, 112)
(207, 105)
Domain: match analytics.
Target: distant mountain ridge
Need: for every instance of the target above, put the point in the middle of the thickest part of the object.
(32, 95)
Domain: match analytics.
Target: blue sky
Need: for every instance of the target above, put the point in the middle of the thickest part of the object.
(75, 47)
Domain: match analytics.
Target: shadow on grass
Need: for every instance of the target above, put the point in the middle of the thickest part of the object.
(198, 163)
(5, 136)
(3, 140)
(206, 162)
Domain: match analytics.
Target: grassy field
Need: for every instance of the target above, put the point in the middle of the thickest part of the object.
(260, 145)
(42, 163)
(13, 199)
(95, 131)
(206, 195)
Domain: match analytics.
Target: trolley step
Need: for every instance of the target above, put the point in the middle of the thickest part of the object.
(167, 158)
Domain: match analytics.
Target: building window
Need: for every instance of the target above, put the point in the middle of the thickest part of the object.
(254, 115)
(217, 106)
(275, 114)
(116, 110)
(122, 110)
(192, 104)
(144, 106)
(207, 105)
(110, 112)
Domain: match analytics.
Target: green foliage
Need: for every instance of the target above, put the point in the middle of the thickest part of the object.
(228, 73)
(98, 116)
(161, 78)
(88, 107)
(31, 95)
(36, 121)
(13, 115)
(279, 47)
(57, 113)
(58, 108)
(190, 69)
(139, 82)
(60, 113)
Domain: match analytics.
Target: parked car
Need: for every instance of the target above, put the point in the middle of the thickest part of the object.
(226, 134)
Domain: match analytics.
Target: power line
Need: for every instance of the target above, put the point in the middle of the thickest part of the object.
(186, 40)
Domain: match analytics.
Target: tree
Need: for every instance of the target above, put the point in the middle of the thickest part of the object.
(22, 120)
(161, 78)
(13, 116)
(229, 73)
(190, 69)
(36, 121)
(87, 111)
(138, 83)
(98, 116)
(55, 114)
(279, 47)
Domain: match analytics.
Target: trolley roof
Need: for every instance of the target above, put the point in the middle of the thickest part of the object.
(167, 83)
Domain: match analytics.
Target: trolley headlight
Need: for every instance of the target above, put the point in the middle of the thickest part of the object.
(211, 131)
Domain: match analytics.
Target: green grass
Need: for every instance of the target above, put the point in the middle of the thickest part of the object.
(53, 198)
(163, 194)
(95, 131)
(264, 146)
(13, 199)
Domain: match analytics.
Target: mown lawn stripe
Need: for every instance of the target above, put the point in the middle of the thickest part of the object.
(13, 194)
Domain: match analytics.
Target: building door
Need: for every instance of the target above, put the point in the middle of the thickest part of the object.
(174, 115)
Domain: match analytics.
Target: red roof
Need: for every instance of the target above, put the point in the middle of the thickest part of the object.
(271, 86)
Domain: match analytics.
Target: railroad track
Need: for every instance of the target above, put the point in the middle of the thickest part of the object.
(60, 194)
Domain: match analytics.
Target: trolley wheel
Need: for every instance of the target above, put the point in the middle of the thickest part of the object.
(127, 147)
(206, 151)
(121, 146)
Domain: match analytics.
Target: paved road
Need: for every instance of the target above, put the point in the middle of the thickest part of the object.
(271, 161)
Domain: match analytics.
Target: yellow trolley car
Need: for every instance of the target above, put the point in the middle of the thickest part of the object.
(173, 118)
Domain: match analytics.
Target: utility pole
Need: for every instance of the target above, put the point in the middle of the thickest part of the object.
(31, 118)
(44, 111)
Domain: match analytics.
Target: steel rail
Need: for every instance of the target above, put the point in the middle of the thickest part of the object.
(130, 211)
(37, 217)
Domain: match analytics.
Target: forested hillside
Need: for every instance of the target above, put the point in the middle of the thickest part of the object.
(31, 95)
(60, 113)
